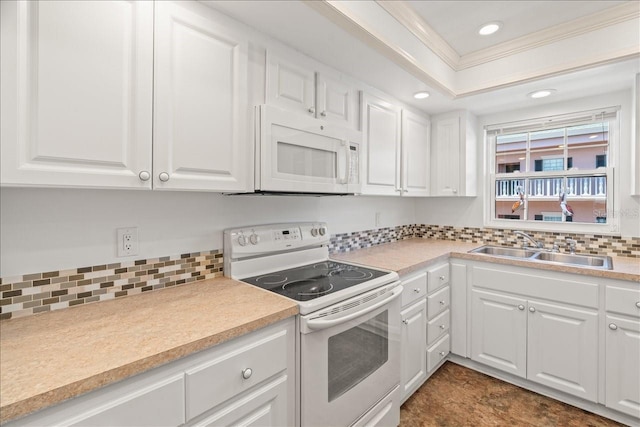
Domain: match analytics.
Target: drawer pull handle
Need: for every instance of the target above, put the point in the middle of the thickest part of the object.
(521, 307)
(441, 354)
(613, 326)
(441, 277)
(532, 309)
(405, 321)
(638, 304)
(442, 327)
(442, 302)
(246, 373)
(416, 290)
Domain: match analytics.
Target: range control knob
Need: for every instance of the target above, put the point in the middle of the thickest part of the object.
(242, 240)
(314, 232)
(322, 231)
(254, 239)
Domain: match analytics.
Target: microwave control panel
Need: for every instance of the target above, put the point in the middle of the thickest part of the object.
(354, 164)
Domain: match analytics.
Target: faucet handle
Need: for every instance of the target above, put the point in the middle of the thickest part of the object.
(556, 248)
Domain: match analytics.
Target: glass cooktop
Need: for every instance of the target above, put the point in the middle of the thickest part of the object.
(314, 280)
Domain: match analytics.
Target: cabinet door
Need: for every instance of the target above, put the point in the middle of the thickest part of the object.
(290, 86)
(445, 157)
(76, 93)
(381, 151)
(263, 407)
(201, 138)
(563, 348)
(622, 367)
(415, 155)
(499, 331)
(414, 346)
(336, 101)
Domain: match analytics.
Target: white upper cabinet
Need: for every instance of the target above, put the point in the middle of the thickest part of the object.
(76, 93)
(381, 147)
(415, 155)
(293, 84)
(201, 124)
(453, 155)
(395, 150)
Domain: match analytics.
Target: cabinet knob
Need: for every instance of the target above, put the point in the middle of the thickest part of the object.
(613, 326)
(455, 191)
(323, 114)
(312, 110)
(416, 290)
(144, 176)
(442, 303)
(442, 327)
(521, 307)
(532, 309)
(246, 373)
(638, 304)
(405, 321)
(164, 177)
(441, 354)
(441, 277)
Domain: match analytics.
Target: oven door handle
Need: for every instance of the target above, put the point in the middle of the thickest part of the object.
(327, 323)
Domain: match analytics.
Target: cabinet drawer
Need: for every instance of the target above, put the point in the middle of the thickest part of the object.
(221, 378)
(438, 277)
(437, 352)
(438, 302)
(437, 327)
(414, 288)
(622, 300)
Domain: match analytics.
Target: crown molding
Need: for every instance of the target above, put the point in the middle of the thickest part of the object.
(586, 24)
(410, 19)
(340, 15)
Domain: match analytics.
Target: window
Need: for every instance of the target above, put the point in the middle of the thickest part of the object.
(553, 170)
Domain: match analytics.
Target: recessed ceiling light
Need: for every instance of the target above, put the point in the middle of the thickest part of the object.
(489, 28)
(593, 136)
(541, 93)
(421, 95)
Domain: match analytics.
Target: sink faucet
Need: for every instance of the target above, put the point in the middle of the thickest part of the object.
(572, 246)
(531, 239)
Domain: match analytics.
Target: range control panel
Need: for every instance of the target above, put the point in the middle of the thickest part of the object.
(265, 239)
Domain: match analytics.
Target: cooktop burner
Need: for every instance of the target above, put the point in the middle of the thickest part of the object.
(314, 280)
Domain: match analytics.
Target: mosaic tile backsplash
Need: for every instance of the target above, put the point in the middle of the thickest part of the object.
(40, 292)
(586, 243)
(36, 293)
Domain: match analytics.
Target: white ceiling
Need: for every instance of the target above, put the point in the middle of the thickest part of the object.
(304, 29)
(457, 22)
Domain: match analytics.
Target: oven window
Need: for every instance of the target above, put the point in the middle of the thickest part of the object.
(357, 353)
(306, 161)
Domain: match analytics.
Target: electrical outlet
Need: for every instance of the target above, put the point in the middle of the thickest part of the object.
(127, 241)
(378, 220)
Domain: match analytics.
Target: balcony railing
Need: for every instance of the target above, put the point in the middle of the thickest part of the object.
(583, 187)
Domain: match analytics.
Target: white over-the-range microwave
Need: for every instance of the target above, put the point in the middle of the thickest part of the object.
(302, 155)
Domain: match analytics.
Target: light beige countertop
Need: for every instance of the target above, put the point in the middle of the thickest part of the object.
(410, 255)
(54, 356)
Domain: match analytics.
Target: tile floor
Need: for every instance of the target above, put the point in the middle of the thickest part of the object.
(458, 396)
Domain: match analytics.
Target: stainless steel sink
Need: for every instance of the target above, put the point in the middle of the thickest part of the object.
(540, 255)
(505, 252)
(604, 262)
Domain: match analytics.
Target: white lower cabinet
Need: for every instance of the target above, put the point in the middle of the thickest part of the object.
(550, 344)
(247, 381)
(622, 329)
(414, 343)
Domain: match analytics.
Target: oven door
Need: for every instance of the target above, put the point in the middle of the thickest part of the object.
(306, 155)
(350, 357)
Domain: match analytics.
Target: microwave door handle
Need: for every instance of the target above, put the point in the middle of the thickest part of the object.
(323, 323)
(344, 178)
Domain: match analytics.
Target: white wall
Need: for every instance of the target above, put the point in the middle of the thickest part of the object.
(469, 211)
(51, 229)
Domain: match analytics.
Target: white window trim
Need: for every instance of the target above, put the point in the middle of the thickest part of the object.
(612, 227)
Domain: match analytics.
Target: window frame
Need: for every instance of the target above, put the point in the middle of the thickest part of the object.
(610, 114)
